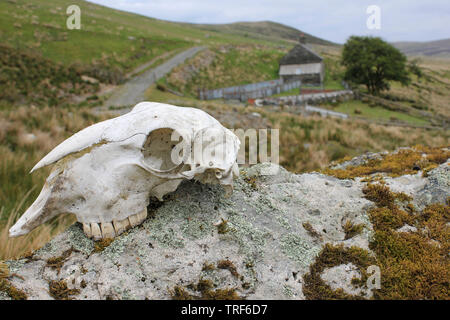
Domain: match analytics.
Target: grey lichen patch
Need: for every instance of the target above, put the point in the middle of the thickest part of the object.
(127, 295)
(284, 222)
(251, 239)
(293, 246)
(264, 202)
(160, 230)
(15, 265)
(48, 250)
(117, 247)
(79, 240)
(167, 237)
(288, 291)
(195, 228)
(4, 296)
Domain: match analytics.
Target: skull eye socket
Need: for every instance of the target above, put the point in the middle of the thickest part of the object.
(159, 149)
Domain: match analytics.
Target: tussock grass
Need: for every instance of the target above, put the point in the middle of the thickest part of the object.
(26, 135)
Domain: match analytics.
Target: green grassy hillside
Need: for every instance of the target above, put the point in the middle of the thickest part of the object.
(109, 45)
(265, 30)
(115, 37)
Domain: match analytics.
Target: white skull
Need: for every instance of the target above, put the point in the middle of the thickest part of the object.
(106, 173)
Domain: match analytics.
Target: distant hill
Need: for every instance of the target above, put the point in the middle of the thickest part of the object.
(266, 30)
(119, 39)
(438, 48)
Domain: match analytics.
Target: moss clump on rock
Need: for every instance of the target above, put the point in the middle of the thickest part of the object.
(227, 264)
(208, 266)
(406, 161)
(7, 287)
(205, 289)
(58, 262)
(414, 265)
(311, 231)
(59, 290)
(315, 288)
(11, 291)
(351, 229)
(101, 245)
(222, 227)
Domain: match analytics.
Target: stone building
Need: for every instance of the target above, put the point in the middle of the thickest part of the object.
(301, 63)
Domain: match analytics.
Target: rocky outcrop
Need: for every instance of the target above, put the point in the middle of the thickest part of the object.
(256, 244)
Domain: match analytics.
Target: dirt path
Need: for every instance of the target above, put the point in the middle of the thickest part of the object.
(133, 91)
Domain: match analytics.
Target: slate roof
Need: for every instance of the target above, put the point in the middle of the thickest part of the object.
(300, 54)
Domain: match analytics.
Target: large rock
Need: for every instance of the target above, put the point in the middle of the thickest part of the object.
(265, 237)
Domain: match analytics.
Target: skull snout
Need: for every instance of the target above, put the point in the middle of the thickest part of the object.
(34, 216)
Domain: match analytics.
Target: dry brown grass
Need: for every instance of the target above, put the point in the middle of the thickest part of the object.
(14, 248)
(311, 143)
(26, 135)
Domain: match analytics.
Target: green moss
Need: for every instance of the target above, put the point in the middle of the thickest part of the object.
(222, 227)
(6, 287)
(227, 264)
(101, 245)
(414, 265)
(179, 293)
(204, 287)
(315, 288)
(208, 266)
(11, 291)
(395, 164)
(221, 294)
(383, 196)
(311, 231)
(58, 262)
(351, 229)
(59, 290)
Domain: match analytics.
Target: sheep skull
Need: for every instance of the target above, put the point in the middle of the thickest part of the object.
(106, 173)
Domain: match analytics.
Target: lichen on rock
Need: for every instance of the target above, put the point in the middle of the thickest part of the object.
(277, 228)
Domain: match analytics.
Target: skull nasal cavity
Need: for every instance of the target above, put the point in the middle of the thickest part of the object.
(158, 148)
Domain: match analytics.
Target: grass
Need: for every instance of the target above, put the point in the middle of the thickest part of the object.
(430, 93)
(29, 77)
(225, 66)
(26, 135)
(125, 39)
(105, 33)
(361, 109)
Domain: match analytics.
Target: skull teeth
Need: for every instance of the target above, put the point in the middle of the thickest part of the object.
(105, 230)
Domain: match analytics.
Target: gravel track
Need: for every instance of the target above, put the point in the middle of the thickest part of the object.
(133, 91)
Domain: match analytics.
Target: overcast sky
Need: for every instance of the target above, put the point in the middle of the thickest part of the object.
(335, 20)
